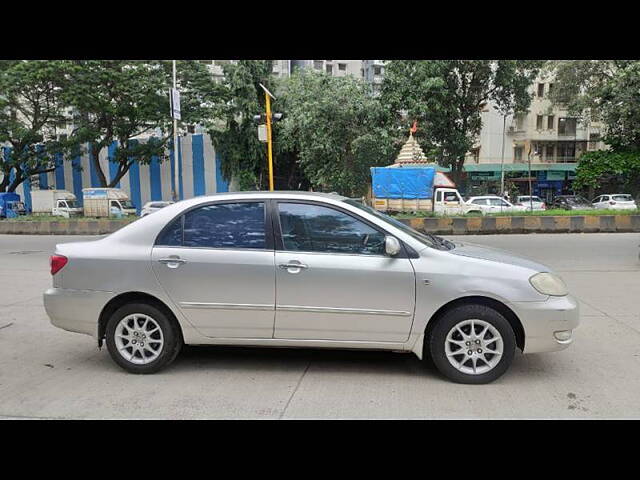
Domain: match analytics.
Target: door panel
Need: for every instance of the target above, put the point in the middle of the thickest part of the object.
(333, 280)
(344, 297)
(223, 293)
(216, 262)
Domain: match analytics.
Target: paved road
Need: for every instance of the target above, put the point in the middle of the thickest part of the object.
(48, 373)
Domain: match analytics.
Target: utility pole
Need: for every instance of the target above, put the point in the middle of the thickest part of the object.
(174, 95)
(530, 193)
(504, 126)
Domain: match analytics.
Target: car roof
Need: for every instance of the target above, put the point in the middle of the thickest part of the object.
(274, 194)
(486, 196)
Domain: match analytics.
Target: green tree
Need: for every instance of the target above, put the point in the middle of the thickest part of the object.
(608, 170)
(30, 110)
(339, 129)
(235, 135)
(117, 101)
(447, 96)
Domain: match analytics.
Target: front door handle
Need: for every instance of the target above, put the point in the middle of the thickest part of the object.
(293, 267)
(172, 262)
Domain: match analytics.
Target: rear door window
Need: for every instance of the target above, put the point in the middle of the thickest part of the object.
(228, 225)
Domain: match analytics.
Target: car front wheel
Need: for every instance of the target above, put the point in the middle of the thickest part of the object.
(472, 344)
(141, 339)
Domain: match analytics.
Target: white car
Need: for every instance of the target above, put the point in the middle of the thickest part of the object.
(529, 201)
(615, 202)
(151, 207)
(494, 204)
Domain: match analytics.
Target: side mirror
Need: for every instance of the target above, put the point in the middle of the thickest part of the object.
(391, 246)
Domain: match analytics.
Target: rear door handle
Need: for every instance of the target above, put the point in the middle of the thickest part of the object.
(172, 262)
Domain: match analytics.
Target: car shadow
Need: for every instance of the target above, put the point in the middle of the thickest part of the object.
(288, 359)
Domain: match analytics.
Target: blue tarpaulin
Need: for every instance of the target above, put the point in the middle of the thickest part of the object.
(405, 182)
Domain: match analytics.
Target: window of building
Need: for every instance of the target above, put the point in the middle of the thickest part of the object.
(550, 152)
(520, 121)
(342, 67)
(539, 122)
(566, 126)
(566, 151)
(550, 88)
(541, 89)
(318, 64)
(377, 70)
(329, 69)
(229, 225)
(517, 153)
(314, 228)
(594, 138)
(550, 120)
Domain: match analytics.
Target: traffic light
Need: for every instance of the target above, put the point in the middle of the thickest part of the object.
(275, 117)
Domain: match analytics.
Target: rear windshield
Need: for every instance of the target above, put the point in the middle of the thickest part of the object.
(622, 198)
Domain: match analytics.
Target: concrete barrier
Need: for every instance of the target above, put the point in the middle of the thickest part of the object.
(526, 224)
(73, 227)
(438, 225)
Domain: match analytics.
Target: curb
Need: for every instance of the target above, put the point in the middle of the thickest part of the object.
(526, 224)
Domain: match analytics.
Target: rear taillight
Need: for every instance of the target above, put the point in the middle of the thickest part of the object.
(612, 203)
(544, 206)
(57, 262)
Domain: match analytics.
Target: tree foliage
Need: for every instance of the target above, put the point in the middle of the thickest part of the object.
(30, 110)
(602, 90)
(235, 135)
(447, 96)
(117, 101)
(608, 170)
(339, 130)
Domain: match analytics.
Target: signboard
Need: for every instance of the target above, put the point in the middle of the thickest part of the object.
(551, 175)
(485, 176)
(262, 133)
(175, 104)
(90, 193)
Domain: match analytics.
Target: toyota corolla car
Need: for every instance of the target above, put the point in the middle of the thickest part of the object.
(304, 270)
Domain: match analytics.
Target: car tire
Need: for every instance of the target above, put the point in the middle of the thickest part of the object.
(452, 334)
(162, 334)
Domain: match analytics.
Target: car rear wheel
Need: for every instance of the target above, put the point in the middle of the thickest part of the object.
(141, 339)
(472, 344)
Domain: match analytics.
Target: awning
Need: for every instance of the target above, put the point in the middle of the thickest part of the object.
(520, 167)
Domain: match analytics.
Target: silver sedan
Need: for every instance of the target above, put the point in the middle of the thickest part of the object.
(278, 269)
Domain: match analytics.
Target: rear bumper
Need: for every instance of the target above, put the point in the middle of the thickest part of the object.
(542, 322)
(76, 310)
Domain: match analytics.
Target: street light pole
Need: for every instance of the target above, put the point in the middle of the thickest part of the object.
(174, 192)
(504, 127)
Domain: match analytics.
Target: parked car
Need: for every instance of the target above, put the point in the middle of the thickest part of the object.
(615, 202)
(571, 202)
(534, 201)
(151, 207)
(494, 204)
(278, 269)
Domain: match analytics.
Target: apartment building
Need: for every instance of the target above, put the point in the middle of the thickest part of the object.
(546, 136)
(373, 73)
(336, 68)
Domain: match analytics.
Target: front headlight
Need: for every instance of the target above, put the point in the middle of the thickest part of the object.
(548, 284)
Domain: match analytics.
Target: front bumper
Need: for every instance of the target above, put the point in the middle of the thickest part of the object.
(542, 320)
(76, 310)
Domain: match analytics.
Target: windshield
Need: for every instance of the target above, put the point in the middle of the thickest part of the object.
(428, 240)
(622, 198)
(577, 200)
(71, 203)
(126, 204)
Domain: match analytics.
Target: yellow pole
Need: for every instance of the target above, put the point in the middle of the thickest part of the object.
(269, 143)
